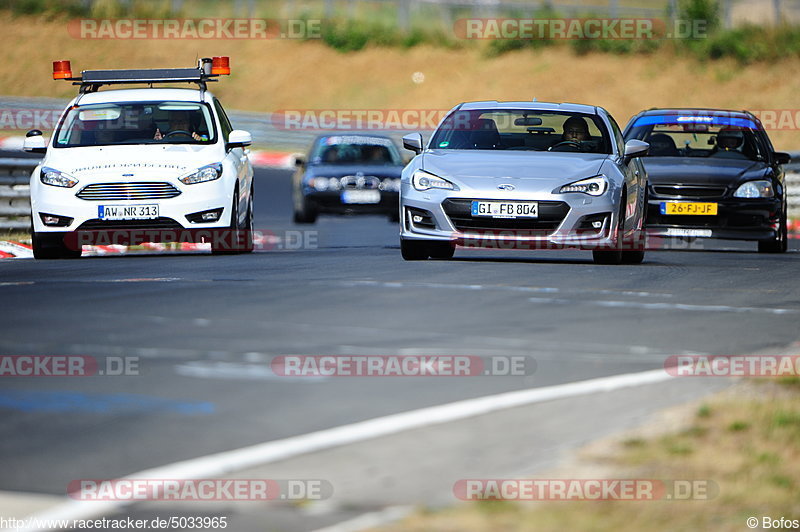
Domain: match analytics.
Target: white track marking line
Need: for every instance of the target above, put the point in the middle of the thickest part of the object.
(220, 464)
(668, 306)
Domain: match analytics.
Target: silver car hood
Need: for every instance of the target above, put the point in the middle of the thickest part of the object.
(473, 167)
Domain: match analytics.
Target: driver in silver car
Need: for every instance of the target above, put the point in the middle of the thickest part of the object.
(575, 132)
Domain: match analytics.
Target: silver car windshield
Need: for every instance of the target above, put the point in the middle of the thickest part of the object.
(136, 123)
(522, 129)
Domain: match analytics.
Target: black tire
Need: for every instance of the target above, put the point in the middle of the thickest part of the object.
(441, 250)
(780, 243)
(304, 213)
(247, 237)
(602, 256)
(414, 249)
(633, 249)
(632, 257)
(394, 217)
(228, 244)
(613, 256)
(48, 246)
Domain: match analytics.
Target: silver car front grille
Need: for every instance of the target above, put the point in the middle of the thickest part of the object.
(143, 190)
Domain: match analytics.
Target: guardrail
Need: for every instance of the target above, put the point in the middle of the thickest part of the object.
(15, 203)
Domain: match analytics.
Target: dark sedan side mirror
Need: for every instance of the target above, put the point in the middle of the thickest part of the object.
(782, 158)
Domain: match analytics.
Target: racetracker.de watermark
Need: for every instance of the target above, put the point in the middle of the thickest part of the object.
(402, 365)
(358, 119)
(733, 366)
(21, 119)
(199, 490)
(195, 28)
(220, 239)
(579, 28)
(67, 366)
(585, 489)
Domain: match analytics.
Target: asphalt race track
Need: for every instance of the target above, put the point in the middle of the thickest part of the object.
(204, 329)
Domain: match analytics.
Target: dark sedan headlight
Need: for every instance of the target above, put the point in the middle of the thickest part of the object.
(755, 189)
(593, 186)
(201, 175)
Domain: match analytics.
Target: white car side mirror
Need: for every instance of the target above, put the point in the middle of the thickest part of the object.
(34, 142)
(239, 139)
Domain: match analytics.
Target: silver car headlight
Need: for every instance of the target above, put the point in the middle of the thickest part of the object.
(56, 178)
(594, 186)
(755, 189)
(422, 180)
(209, 172)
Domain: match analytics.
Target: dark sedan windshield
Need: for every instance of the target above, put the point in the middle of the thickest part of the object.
(707, 135)
(355, 149)
(522, 129)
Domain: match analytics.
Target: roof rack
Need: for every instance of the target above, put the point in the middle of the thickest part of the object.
(91, 80)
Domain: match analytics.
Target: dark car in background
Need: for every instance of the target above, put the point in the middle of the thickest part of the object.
(350, 173)
(712, 174)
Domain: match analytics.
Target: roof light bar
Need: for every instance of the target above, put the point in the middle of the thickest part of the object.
(91, 80)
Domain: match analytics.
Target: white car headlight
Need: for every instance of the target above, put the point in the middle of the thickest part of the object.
(201, 175)
(53, 177)
(755, 189)
(594, 186)
(422, 180)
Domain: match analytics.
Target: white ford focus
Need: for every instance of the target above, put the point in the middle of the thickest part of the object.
(142, 164)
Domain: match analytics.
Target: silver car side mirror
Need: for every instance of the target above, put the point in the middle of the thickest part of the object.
(636, 148)
(413, 142)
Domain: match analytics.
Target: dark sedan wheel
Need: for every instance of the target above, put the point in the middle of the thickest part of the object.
(780, 243)
(304, 213)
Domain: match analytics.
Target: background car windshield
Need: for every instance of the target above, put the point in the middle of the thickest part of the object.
(522, 129)
(355, 150)
(722, 137)
(136, 123)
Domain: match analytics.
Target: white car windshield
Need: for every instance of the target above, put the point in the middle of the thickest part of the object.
(136, 123)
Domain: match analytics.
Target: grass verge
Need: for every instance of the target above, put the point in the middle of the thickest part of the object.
(746, 440)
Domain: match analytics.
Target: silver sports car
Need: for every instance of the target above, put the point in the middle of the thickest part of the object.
(524, 175)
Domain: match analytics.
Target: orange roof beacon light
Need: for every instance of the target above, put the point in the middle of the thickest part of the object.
(62, 70)
(220, 66)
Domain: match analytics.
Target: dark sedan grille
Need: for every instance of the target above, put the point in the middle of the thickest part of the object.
(368, 182)
(681, 191)
(127, 191)
(551, 214)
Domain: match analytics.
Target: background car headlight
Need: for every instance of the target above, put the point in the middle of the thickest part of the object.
(201, 175)
(51, 176)
(594, 186)
(423, 180)
(755, 189)
(319, 183)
